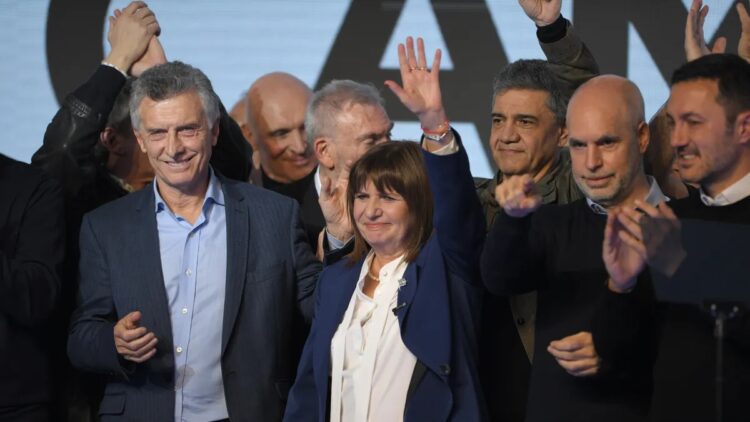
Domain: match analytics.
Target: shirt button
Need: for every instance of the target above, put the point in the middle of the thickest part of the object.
(521, 321)
(178, 349)
(184, 311)
(189, 272)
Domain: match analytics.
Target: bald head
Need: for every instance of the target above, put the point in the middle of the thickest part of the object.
(275, 114)
(608, 136)
(275, 90)
(610, 92)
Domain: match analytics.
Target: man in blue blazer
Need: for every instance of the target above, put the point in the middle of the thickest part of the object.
(192, 290)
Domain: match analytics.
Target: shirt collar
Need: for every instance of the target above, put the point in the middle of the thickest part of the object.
(654, 197)
(735, 193)
(214, 194)
(317, 180)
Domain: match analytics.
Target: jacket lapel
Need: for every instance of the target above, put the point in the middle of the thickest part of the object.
(147, 258)
(238, 237)
(425, 318)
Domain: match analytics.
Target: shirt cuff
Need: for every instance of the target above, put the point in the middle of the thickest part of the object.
(553, 32)
(335, 243)
(449, 148)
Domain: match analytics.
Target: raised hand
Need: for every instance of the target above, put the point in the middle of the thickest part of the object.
(576, 354)
(662, 237)
(518, 195)
(542, 12)
(332, 202)
(695, 43)
(132, 342)
(153, 56)
(743, 48)
(623, 251)
(130, 32)
(421, 85)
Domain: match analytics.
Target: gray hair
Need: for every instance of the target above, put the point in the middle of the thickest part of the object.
(169, 80)
(533, 75)
(332, 99)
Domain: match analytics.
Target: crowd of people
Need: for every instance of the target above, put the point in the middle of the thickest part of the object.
(163, 258)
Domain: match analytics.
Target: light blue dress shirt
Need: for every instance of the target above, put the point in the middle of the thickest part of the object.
(194, 263)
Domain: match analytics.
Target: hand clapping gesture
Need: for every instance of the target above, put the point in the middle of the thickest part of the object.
(638, 234)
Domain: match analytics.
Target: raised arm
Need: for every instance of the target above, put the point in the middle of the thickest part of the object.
(458, 216)
(568, 56)
(67, 152)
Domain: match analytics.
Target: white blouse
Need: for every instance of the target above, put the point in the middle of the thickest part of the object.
(371, 368)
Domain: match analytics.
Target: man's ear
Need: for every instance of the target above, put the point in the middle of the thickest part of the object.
(643, 134)
(109, 140)
(562, 137)
(742, 127)
(324, 152)
(248, 134)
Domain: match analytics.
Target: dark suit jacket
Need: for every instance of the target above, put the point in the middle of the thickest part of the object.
(439, 321)
(31, 254)
(271, 275)
(306, 195)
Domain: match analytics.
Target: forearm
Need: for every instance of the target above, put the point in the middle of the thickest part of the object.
(67, 152)
(91, 347)
(623, 324)
(510, 263)
(458, 218)
(569, 58)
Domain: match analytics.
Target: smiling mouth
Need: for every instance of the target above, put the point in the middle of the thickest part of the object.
(686, 157)
(178, 164)
(300, 161)
(374, 226)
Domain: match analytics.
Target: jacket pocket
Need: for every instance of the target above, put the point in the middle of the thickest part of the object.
(112, 404)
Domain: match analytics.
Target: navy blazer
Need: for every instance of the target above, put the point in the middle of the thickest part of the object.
(271, 276)
(439, 311)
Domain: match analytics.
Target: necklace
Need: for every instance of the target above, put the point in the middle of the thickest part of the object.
(372, 277)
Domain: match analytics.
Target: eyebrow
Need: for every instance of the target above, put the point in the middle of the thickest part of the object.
(605, 138)
(690, 114)
(371, 134)
(517, 116)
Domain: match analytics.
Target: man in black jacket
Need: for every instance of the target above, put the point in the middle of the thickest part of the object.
(709, 114)
(31, 255)
(558, 251)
